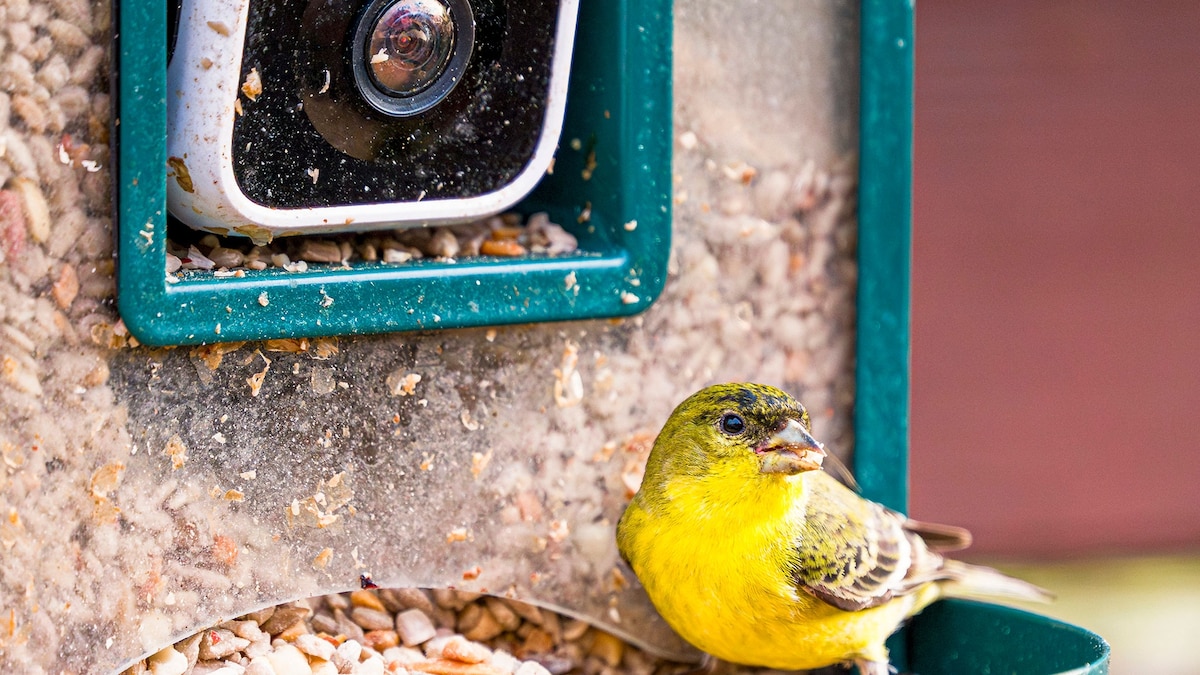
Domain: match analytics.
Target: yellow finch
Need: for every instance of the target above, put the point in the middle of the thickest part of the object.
(756, 556)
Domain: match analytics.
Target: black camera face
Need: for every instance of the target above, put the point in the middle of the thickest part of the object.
(390, 100)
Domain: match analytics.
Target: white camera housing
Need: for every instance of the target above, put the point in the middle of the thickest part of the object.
(206, 92)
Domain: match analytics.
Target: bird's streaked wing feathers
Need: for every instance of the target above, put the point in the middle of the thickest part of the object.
(855, 554)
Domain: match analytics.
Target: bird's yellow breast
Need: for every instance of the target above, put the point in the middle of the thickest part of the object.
(716, 558)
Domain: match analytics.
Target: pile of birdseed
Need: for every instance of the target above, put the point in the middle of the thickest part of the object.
(402, 631)
(505, 236)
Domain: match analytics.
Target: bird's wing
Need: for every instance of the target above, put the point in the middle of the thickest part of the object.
(854, 553)
(938, 537)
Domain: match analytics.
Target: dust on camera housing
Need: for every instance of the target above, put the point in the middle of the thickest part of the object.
(290, 117)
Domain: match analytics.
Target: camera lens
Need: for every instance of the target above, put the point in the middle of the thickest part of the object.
(409, 54)
(411, 43)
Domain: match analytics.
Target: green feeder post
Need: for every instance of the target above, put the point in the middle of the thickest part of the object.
(952, 636)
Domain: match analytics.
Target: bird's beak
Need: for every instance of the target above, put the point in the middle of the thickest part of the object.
(791, 450)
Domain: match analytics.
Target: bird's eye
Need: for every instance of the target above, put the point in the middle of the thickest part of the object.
(733, 424)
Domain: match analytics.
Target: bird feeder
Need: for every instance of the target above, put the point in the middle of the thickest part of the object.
(249, 437)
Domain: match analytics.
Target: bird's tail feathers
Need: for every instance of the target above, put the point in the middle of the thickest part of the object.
(977, 582)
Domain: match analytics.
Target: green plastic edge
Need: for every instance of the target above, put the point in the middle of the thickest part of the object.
(619, 105)
(962, 636)
(881, 413)
(953, 636)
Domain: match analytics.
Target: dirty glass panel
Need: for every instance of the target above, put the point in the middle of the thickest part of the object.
(147, 494)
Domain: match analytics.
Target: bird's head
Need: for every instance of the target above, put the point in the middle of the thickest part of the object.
(737, 429)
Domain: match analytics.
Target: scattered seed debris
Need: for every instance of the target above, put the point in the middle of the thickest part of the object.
(559, 530)
(256, 380)
(568, 384)
(37, 211)
(181, 174)
(479, 462)
(177, 451)
(405, 384)
(252, 86)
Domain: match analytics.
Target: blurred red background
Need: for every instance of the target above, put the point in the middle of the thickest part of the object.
(1056, 296)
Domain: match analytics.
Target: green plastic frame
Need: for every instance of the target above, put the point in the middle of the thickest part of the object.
(950, 637)
(619, 104)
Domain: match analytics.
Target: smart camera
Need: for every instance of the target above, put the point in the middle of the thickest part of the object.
(310, 116)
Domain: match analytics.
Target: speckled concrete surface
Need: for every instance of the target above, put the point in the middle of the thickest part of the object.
(148, 493)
